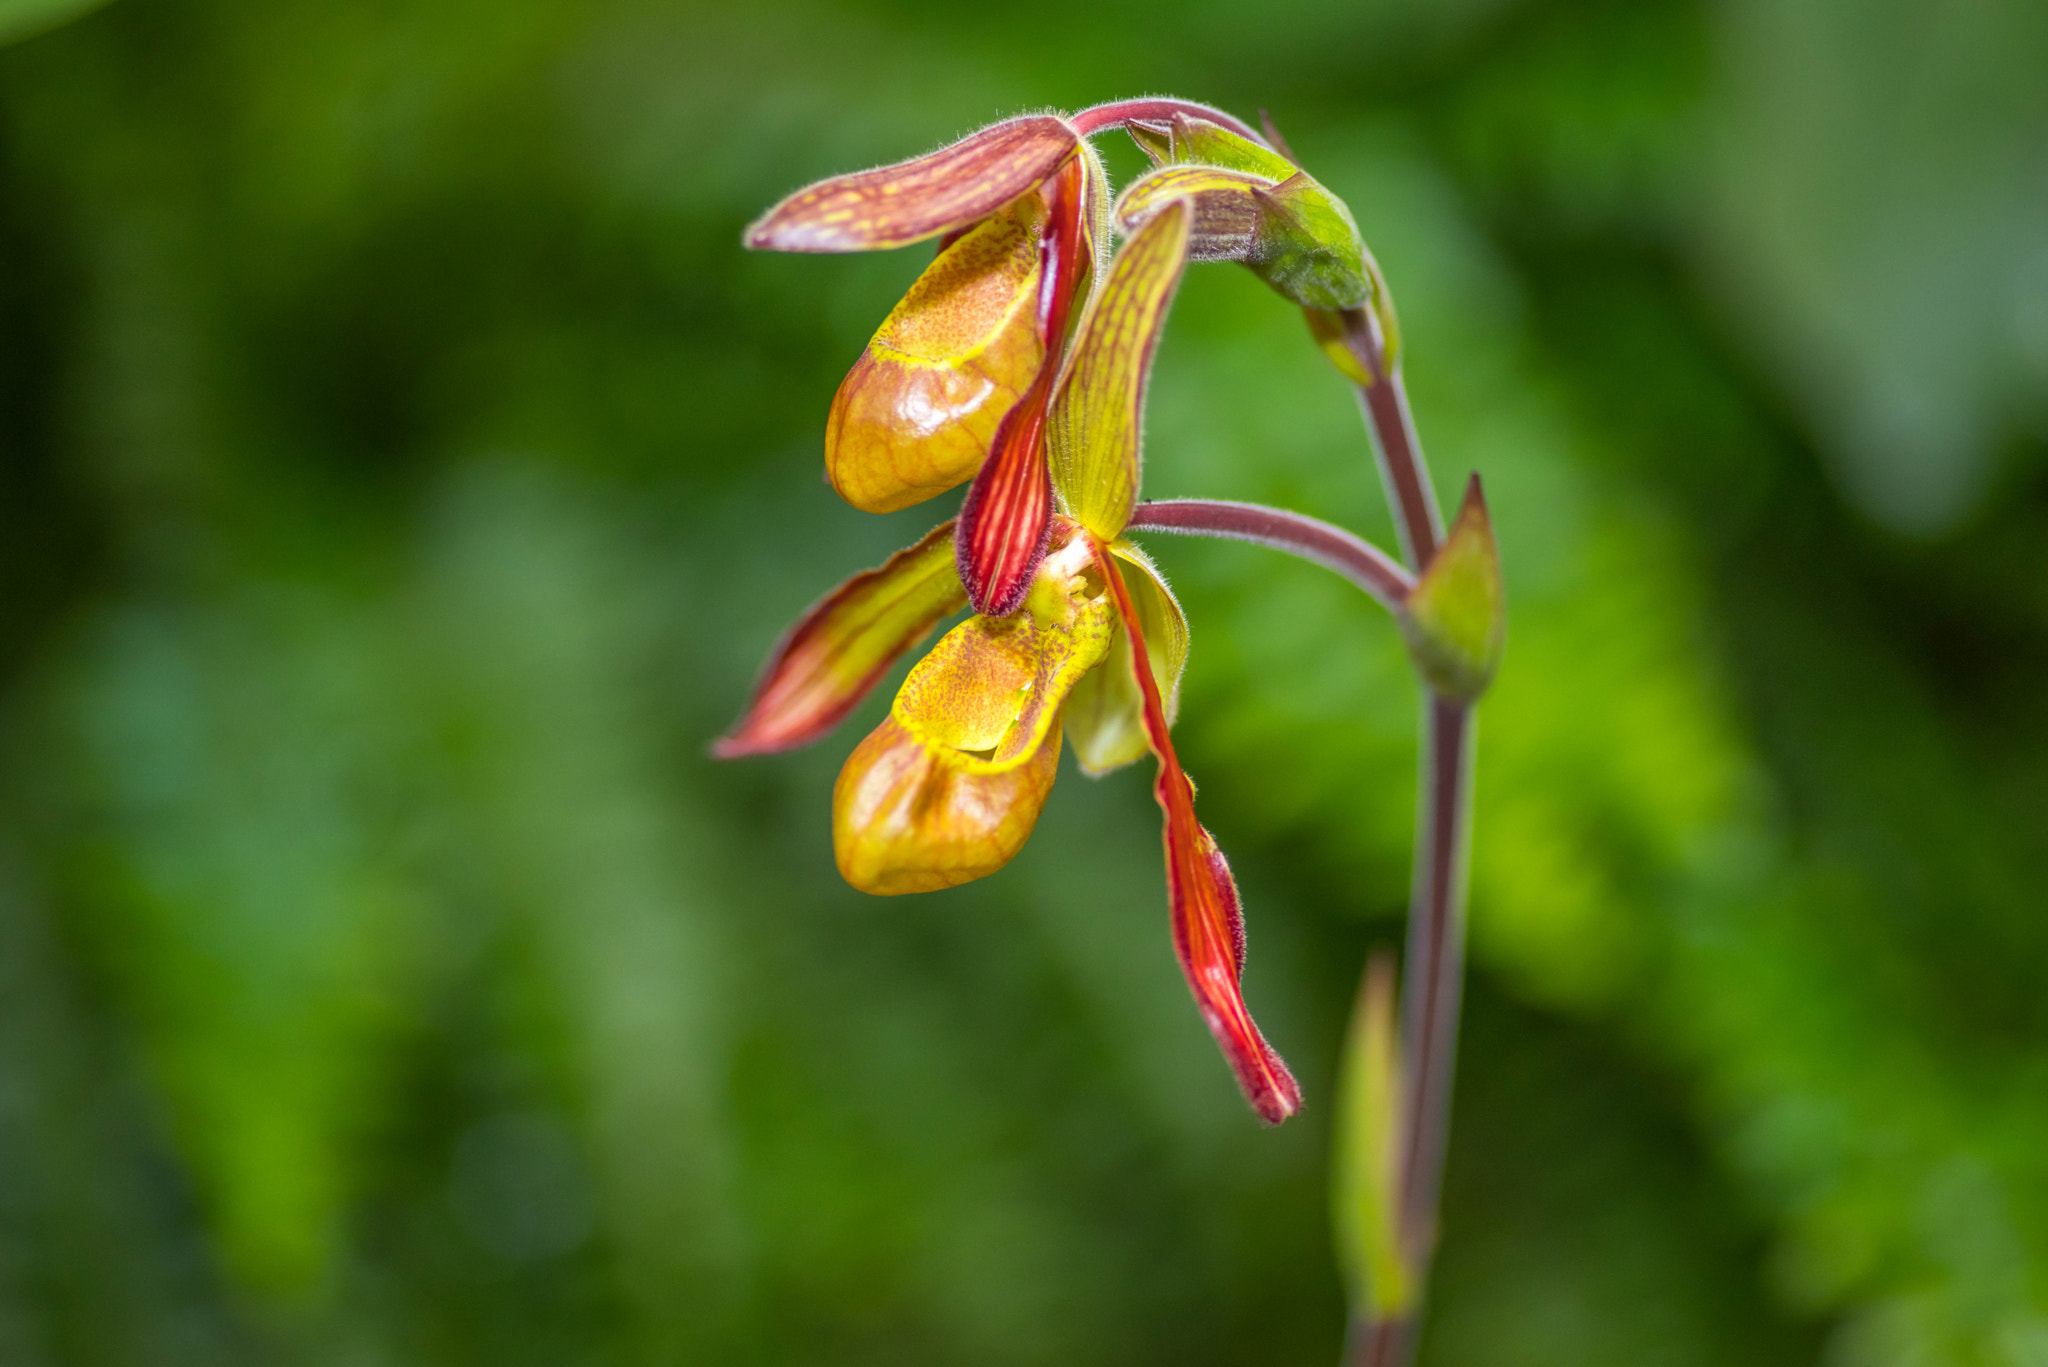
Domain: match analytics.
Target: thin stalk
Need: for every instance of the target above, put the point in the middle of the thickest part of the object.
(1429, 1027)
(1385, 404)
(1358, 560)
(1434, 972)
(1101, 116)
(1435, 967)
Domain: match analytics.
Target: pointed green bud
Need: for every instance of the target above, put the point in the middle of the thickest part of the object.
(1456, 619)
(1365, 1154)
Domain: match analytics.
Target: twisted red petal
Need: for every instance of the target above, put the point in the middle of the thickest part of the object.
(1208, 919)
(1007, 514)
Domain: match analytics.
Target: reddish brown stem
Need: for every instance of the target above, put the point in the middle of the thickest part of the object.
(1435, 968)
(1358, 560)
(1435, 974)
(1102, 116)
(1385, 402)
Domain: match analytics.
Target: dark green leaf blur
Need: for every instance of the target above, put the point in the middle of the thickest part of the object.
(403, 473)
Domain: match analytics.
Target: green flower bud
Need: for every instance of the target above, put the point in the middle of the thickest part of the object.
(1266, 212)
(1456, 619)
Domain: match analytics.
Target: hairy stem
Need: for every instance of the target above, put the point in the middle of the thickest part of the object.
(1358, 560)
(1385, 403)
(1118, 112)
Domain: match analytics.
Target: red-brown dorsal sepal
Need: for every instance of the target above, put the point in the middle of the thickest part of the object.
(1208, 919)
(925, 197)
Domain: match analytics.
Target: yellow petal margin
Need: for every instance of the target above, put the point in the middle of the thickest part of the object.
(1105, 718)
(948, 789)
(940, 192)
(834, 654)
(915, 415)
(1095, 431)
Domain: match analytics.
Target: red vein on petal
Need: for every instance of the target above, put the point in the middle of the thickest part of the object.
(1006, 519)
(1007, 516)
(1208, 919)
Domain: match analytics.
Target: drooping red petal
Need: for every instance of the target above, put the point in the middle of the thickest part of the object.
(1008, 510)
(1208, 919)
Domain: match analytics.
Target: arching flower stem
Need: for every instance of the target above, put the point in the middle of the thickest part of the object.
(1385, 405)
(1118, 112)
(1356, 559)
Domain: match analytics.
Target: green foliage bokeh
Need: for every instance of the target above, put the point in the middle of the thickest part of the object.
(403, 472)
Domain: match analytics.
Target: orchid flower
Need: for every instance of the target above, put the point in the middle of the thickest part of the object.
(956, 383)
(1019, 360)
(949, 786)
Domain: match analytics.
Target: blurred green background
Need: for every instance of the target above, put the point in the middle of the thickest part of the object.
(403, 472)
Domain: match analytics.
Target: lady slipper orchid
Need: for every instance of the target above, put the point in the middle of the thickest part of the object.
(949, 786)
(956, 382)
(1019, 359)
